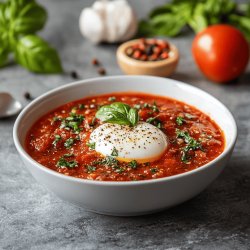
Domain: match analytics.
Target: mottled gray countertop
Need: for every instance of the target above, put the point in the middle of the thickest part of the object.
(33, 218)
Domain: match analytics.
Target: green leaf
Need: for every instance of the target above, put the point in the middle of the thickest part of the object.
(36, 55)
(63, 163)
(4, 46)
(199, 21)
(133, 116)
(26, 16)
(167, 8)
(242, 23)
(3, 56)
(119, 113)
(168, 20)
(179, 120)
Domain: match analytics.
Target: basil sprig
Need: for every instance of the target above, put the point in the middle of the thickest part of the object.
(119, 113)
(173, 18)
(19, 21)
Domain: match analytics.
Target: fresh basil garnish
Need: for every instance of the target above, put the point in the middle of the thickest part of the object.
(179, 120)
(191, 144)
(63, 163)
(119, 113)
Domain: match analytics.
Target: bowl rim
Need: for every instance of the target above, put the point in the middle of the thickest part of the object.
(34, 163)
(121, 55)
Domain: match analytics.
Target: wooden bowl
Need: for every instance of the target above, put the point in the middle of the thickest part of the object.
(132, 66)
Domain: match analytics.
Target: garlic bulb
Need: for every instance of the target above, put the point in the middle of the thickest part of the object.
(108, 21)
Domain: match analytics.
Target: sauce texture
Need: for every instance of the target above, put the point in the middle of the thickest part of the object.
(60, 139)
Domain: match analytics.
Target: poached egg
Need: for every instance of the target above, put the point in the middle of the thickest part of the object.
(143, 142)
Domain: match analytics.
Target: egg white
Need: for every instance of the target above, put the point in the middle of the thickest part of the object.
(143, 142)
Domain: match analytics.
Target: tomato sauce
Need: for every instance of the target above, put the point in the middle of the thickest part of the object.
(59, 139)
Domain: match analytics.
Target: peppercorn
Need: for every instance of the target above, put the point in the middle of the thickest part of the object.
(102, 71)
(95, 62)
(149, 50)
(164, 55)
(74, 75)
(27, 96)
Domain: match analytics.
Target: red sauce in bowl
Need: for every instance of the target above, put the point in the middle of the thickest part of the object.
(59, 139)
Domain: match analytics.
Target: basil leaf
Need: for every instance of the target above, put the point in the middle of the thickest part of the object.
(109, 114)
(36, 55)
(169, 20)
(199, 21)
(119, 113)
(26, 16)
(120, 107)
(133, 116)
(3, 56)
(173, 18)
(161, 10)
(4, 50)
(242, 23)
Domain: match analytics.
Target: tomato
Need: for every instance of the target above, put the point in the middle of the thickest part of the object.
(221, 52)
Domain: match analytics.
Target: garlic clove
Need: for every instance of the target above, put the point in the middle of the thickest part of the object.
(132, 27)
(91, 25)
(118, 20)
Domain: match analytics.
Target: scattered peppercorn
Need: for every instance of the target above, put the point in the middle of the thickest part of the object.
(149, 50)
(102, 71)
(95, 62)
(74, 75)
(28, 96)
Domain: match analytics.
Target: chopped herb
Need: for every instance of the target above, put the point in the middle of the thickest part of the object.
(154, 170)
(119, 170)
(154, 121)
(111, 98)
(56, 118)
(72, 122)
(62, 163)
(155, 108)
(110, 161)
(114, 152)
(57, 139)
(150, 119)
(90, 169)
(91, 145)
(73, 110)
(133, 164)
(69, 142)
(92, 124)
(189, 116)
(179, 120)
(68, 155)
(147, 163)
(137, 106)
(192, 144)
(81, 106)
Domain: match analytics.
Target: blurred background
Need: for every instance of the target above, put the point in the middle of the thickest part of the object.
(216, 219)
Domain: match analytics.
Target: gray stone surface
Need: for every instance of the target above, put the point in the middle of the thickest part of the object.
(33, 218)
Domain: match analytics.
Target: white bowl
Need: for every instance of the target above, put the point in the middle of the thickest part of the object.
(127, 198)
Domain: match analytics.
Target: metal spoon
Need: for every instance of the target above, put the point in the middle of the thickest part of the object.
(8, 105)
